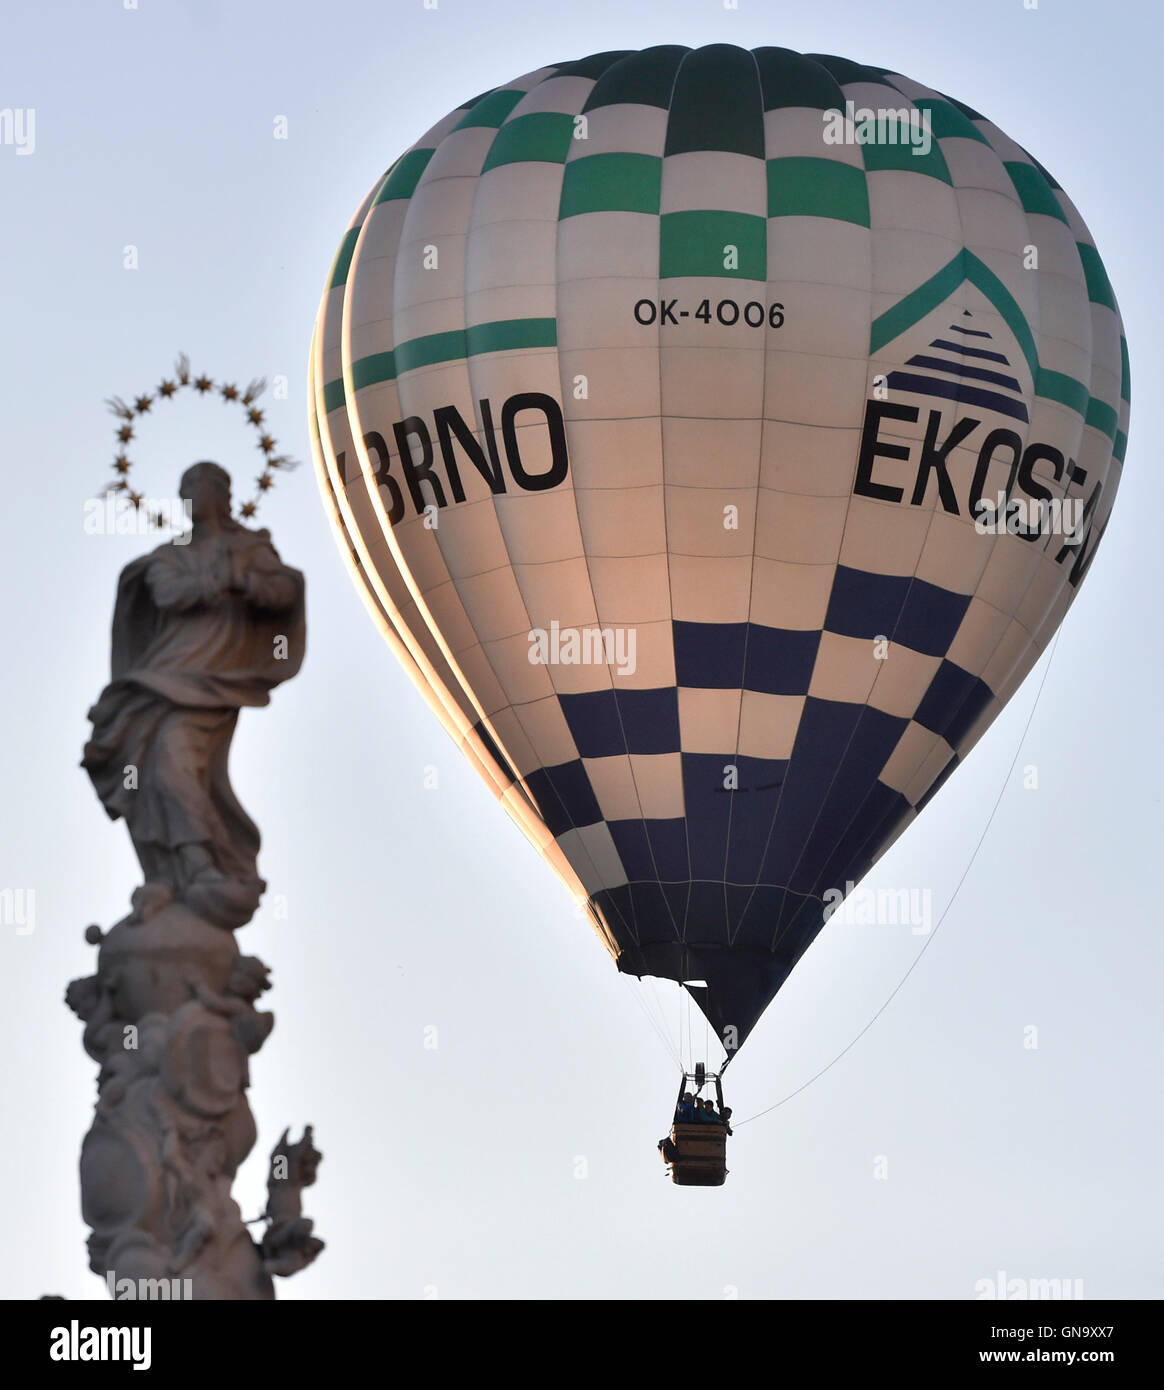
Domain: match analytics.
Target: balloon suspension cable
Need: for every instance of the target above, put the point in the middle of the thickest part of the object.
(945, 911)
(659, 1030)
(683, 1057)
(661, 1015)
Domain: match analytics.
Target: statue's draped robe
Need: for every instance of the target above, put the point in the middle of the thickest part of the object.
(186, 658)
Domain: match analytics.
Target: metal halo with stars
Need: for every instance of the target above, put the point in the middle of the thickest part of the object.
(272, 461)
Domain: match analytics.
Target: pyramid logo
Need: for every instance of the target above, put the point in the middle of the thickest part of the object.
(972, 373)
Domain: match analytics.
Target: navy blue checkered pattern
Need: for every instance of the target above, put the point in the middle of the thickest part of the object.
(759, 841)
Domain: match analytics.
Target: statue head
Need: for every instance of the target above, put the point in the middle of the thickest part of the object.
(206, 487)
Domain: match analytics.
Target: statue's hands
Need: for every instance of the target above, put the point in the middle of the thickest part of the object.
(220, 578)
(215, 579)
(238, 581)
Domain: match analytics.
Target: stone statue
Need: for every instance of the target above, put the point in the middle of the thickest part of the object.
(200, 630)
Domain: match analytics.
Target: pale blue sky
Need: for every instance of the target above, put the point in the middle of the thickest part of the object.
(455, 1169)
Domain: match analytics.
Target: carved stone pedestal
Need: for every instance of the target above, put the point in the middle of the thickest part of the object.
(170, 1017)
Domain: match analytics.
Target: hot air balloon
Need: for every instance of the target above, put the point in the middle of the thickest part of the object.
(718, 438)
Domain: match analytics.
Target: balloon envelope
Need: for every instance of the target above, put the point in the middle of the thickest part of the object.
(718, 438)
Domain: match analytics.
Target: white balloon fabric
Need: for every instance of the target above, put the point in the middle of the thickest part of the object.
(718, 438)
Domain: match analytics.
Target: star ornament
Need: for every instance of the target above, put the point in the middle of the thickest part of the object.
(168, 388)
